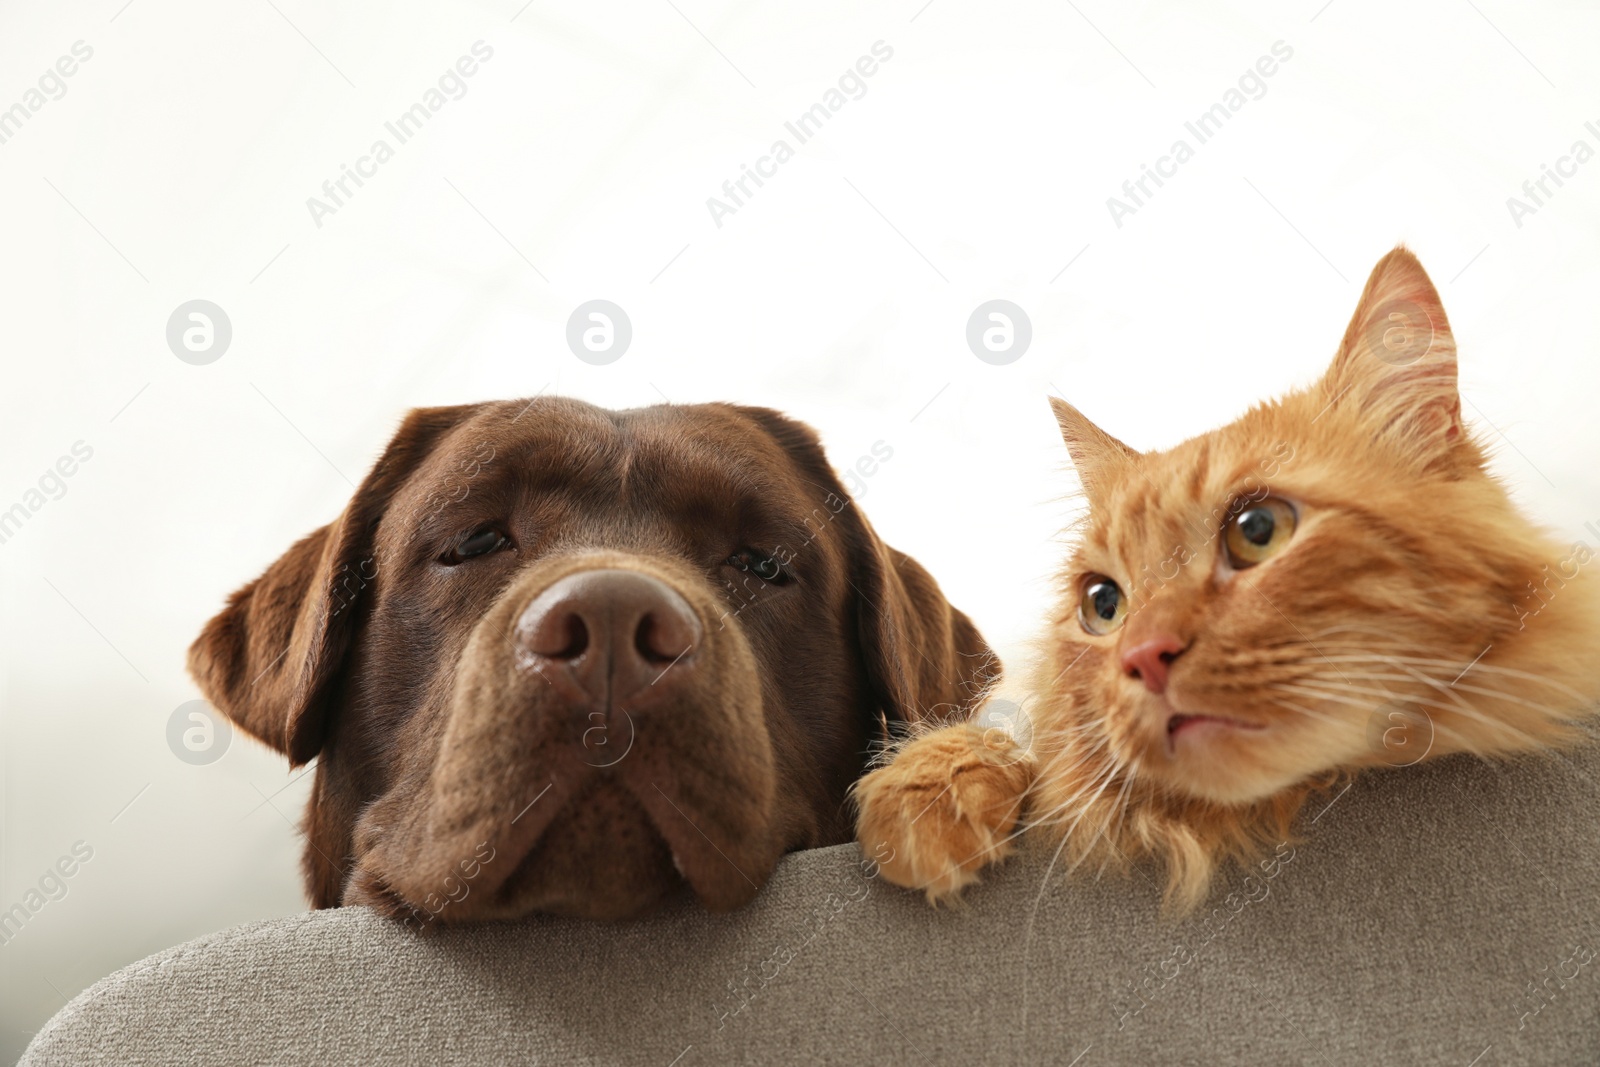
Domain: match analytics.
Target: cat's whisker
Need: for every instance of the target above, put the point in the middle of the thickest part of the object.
(1071, 810)
(1087, 808)
(1353, 694)
(1459, 705)
(1054, 760)
(1457, 687)
(1071, 802)
(1121, 806)
(1101, 776)
(1487, 672)
(1435, 727)
(1481, 668)
(1305, 711)
(1454, 688)
(1052, 765)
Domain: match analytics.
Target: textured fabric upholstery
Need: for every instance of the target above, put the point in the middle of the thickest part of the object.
(1412, 925)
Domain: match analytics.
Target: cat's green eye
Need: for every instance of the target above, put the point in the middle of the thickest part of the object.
(1259, 531)
(1102, 606)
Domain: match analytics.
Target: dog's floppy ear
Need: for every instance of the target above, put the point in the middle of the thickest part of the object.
(270, 660)
(926, 662)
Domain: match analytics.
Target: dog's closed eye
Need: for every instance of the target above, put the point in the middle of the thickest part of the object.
(479, 541)
(763, 566)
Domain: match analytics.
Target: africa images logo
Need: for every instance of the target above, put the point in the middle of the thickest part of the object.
(804, 127)
(337, 191)
(48, 888)
(1251, 85)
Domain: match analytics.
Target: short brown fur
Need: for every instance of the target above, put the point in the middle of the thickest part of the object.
(453, 783)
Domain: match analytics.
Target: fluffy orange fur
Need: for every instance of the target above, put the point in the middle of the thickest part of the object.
(1413, 613)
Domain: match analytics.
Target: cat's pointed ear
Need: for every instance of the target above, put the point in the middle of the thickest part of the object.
(1096, 455)
(1396, 367)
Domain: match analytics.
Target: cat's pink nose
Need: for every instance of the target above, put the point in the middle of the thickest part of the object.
(1148, 660)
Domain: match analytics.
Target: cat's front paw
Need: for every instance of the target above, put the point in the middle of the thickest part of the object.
(944, 808)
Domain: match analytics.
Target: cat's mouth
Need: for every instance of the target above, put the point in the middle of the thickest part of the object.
(1179, 725)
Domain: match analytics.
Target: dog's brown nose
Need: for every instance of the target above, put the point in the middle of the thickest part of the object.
(611, 637)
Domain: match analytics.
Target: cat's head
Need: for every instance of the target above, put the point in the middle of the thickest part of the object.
(1305, 589)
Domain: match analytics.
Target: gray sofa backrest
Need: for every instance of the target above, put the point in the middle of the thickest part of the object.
(1445, 914)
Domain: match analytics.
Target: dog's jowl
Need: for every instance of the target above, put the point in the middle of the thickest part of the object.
(554, 658)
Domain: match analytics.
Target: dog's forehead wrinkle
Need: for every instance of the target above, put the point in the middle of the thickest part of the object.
(619, 531)
(640, 452)
(712, 468)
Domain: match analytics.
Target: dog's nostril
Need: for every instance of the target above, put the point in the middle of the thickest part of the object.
(641, 640)
(575, 639)
(556, 633)
(663, 636)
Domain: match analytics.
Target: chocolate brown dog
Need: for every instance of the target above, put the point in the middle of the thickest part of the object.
(561, 659)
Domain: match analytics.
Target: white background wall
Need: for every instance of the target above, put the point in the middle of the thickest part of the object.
(977, 165)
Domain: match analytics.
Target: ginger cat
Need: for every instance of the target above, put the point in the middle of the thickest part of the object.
(1331, 583)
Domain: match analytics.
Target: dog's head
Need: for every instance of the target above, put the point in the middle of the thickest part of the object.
(561, 659)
